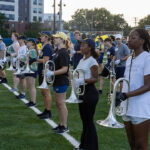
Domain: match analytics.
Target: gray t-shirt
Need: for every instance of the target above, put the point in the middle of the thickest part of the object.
(2, 46)
(120, 52)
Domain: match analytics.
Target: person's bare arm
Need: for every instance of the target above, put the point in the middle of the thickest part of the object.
(94, 78)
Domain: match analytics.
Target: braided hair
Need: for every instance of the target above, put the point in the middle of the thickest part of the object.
(143, 34)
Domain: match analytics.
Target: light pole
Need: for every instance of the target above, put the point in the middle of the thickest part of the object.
(54, 17)
(60, 15)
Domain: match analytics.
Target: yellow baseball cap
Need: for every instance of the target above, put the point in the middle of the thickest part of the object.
(60, 35)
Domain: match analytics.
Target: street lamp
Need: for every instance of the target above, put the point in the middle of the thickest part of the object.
(60, 15)
(54, 30)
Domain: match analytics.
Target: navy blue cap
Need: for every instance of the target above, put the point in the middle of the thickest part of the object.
(90, 42)
(31, 40)
(22, 37)
(45, 33)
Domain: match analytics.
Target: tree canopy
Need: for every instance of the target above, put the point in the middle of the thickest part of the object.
(144, 21)
(99, 19)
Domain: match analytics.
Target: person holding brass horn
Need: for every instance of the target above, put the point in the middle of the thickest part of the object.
(14, 53)
(106, 70)
(45, 55)
(31, 77)
(21, 52)
(61, 82)
(137, 72)
(89, 139)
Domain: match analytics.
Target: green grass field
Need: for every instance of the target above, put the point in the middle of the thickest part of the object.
(21, 129)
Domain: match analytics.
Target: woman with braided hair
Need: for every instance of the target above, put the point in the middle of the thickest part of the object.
(137, 117)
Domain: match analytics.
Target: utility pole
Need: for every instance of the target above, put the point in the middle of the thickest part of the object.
(60, 17)
(135, 21)
(54, 17)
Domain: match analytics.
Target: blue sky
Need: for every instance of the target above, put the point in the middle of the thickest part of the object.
(130, 8)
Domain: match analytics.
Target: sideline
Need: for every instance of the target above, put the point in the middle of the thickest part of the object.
(67, 136)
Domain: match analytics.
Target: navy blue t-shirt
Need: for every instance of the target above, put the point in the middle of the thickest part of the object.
(111, 52)
(61, 59)
(77, 57)
(46, 51)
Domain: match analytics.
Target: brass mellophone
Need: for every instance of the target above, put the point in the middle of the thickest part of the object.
(46, 81)
(111, 120)
(76, 92)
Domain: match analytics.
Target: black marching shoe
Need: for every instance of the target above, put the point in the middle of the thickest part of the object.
(3, 80)
(56, 128)
(29, 104)
(45, 115)
(62, 129)
(100, 91)
(41, 113)
(20, 96)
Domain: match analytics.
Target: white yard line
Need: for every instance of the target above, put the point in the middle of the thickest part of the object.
(67, 136)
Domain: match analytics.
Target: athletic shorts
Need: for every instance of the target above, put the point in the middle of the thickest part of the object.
(119, 72)
(34, 75)
(101, 57)
(20, 76)
(133, 120)
(60, 89)
(105, 72)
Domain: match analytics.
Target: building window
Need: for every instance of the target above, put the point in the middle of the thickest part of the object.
(40, 2)
(7, 16)
(10, 16)
(26, 10)
(34, 10)
(35, 2)
(26, 2)
(7, 7)
(34, 18)
(40, 10)
(13, 25)
(40, 19)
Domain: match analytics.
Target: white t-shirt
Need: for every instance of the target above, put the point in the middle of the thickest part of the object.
(16, 47)
(86, 66)
(22, 50)
(138, 106)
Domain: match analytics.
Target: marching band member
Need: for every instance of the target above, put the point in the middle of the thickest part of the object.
(16, 46)
(31, 77)
(101, 53)
(45, 55)
(61, 82)
(89, 139)
(122, 53)
(110, 55)
(137, 72)
(2, 53)
(22, 51)
(77, 52)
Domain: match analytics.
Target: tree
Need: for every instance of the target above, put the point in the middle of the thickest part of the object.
(33, 29)
(144, 21)
(99, 19)
(3, 30)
